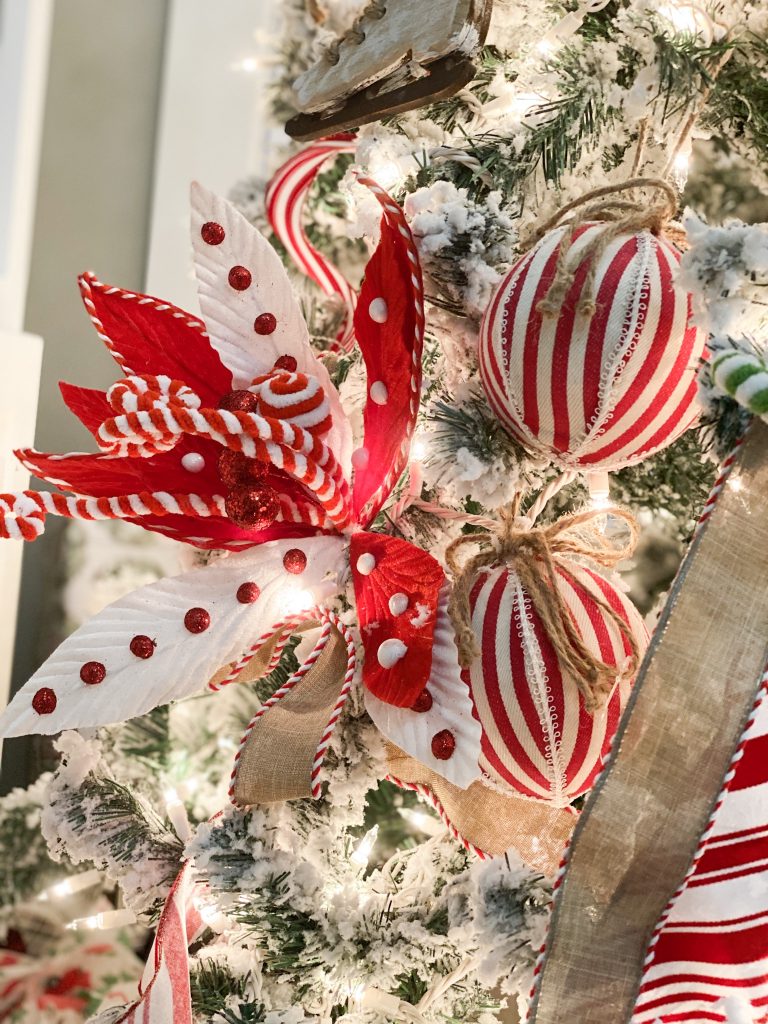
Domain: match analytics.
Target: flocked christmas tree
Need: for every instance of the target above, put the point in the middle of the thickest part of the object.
(453, 621)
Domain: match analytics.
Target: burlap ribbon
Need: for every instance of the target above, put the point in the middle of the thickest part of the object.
(643, 820)
(278, 758)
(491, 821)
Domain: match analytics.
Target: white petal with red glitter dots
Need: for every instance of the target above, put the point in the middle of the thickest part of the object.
(451, 709)
(230, 314)
(182, 662)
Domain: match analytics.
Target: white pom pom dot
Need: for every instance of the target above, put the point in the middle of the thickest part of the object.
(390, 652)
(379, 393)
(360, 458)
(193, 462)
(366, 563)
(398, 603)
(378, 311)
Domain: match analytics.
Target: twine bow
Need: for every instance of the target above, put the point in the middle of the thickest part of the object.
(621, 216)
(533, 553)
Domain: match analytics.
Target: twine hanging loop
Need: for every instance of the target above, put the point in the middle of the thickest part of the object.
(533, 553)
(639, 204)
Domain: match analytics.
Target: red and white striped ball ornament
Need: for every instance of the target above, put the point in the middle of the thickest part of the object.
(609, 378)
(539, 739)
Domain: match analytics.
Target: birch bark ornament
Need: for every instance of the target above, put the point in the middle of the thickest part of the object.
(550, 647)
(587, 355)
(390, 62)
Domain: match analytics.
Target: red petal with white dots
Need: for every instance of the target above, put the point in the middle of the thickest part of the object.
(183, 661)
(389, 324)
(449, 709)
(398, 647)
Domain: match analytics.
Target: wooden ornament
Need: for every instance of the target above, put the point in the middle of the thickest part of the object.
(390, 62)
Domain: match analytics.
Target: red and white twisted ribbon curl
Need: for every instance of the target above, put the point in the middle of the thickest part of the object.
(163, 421)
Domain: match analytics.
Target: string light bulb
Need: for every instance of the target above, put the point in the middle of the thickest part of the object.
(599, 487)
(105, 921)
(177, 813)
(71, 885)
(362, 853)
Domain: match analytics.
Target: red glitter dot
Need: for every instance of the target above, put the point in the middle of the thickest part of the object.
(93, 673)
(253, 508)
(247, 593)
(142, 646)
(44, 701)
(423, 702)
(443, 744)
(295, 561)
(240, 278)
(197, 620)
(235, 469)
(212, 233)
(265, 323)
(239, 401)
(286, 363)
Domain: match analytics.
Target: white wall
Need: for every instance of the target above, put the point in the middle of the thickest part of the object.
(93, 208)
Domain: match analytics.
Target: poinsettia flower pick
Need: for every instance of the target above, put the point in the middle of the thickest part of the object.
(226, 432)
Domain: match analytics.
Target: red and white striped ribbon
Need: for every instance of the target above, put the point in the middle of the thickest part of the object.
(329, 622)
(285, 200)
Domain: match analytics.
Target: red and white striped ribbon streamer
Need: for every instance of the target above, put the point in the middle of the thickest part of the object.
(22, 515)
(286, 198)
(164, 987)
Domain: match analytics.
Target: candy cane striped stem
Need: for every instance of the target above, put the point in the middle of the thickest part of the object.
(283, 628)
(285, 446)
(22, 515)
(338, 707)
(285, 200)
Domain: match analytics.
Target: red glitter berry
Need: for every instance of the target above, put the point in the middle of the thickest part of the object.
(240, 278)
(239, 401)
(197, 620)
(286, 363)
(423, 702)
(253, 507)
(443, 744)
(235, 469)
(265, 323)
(93, 673)
(294, 561)
(44, 701)
(212, 233)
(247, 593)
(142, 646)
